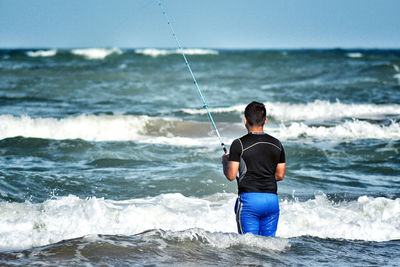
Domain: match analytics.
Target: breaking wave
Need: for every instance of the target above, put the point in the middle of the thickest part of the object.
(179, 132)
(314, 111)
(355, 55)
(25, 225)
(42, 53)
(106, 128)
(96, 53)
(349, 130)
(153, 52)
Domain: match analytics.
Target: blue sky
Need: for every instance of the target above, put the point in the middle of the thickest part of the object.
(201, 23)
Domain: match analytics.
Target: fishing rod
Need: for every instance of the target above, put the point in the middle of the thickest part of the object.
(191, 73)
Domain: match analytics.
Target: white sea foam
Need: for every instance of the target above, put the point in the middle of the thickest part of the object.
(95, 128)
(226, 240)
(153, 52)
(354, 55)
(42, 53)
(146, 129)
(87, 127)
(236, 108)
(368, 218)
(315, 111)
(349, 130)
(24, 225)
(96, 53)
(397, 76)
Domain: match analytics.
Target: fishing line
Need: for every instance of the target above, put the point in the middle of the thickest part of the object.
(191, 73)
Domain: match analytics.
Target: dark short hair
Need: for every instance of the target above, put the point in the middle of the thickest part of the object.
(255, 113)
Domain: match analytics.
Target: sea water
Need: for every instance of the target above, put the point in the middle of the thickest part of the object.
(107, 156)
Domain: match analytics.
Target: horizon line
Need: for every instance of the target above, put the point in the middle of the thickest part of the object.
(208, 47)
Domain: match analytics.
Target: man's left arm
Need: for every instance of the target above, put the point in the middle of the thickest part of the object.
(281, 166)
(280, 171)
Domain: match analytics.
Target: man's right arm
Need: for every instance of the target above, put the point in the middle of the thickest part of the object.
(230, 167)
(230, 161)
(280, 171)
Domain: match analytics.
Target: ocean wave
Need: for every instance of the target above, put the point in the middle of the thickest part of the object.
(153, 52)
(397, 76)
(354, 55)
(157, 130)
(367, 218)
(349, 130)
(25, 225)
(142, 129)
(225, 240)
(96, 53)
(314, 111)
(87, 127)
(42, 53)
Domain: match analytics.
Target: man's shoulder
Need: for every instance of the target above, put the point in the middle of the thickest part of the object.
(244, 137)
(270, 137)
(274, 140)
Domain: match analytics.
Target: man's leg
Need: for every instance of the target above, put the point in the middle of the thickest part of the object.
(247, 219)
(269, 224)
(270, 217)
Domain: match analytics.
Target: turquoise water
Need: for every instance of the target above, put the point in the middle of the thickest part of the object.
(107, 156)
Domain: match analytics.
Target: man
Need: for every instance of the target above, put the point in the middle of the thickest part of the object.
(260, 160)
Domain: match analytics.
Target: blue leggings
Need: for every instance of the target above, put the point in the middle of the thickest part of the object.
(257, 213)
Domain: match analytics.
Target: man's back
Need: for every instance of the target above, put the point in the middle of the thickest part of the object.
(258, 154)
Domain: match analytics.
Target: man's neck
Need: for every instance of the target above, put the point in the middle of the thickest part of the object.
(259, 129)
